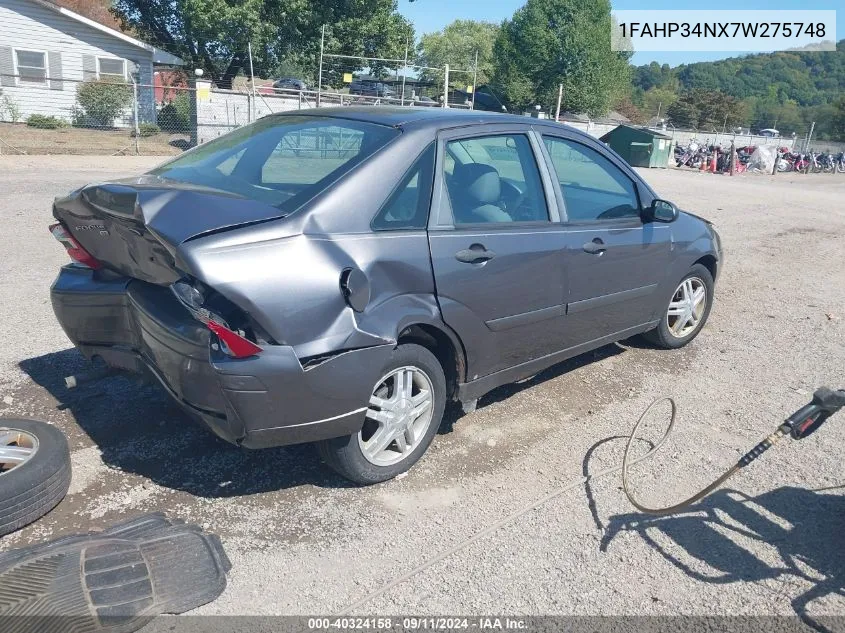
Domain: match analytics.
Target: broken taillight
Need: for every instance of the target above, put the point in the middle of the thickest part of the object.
(234, 344)
(74, 248)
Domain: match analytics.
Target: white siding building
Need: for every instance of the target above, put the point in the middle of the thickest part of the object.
(46, 51)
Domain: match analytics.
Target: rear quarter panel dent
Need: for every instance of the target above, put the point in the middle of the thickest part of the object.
(291, 285)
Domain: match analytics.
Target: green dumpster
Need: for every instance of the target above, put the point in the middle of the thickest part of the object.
(640, 147)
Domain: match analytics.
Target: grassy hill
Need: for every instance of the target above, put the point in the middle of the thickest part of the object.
(789, 89)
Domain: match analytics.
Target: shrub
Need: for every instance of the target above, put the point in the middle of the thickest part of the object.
(45, 122)
(103, 101)
(9, 109)
(146, 129)
(176, 115)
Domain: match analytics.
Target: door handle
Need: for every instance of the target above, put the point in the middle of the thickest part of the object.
(596, 246)
(475, 254)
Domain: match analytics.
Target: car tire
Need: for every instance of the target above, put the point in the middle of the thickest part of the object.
(347, 456)
(29, 490)
(667, 336)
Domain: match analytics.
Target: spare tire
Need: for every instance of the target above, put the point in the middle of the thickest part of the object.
(34, 471)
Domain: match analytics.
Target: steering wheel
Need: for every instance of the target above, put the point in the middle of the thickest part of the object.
(511, 198)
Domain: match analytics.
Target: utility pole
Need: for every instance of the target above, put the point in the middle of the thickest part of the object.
(809, 136)
(559, 99)
(446, 86)
(474, 81)
(404, 72)
(251, 81)
(320, 71)
(135, 111)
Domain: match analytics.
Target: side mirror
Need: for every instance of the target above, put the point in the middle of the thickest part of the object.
(661, 211)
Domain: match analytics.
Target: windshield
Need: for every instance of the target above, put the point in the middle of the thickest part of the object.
(281, 160)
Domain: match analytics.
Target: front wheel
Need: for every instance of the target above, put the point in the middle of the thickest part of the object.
(687, 310)
(403, 414)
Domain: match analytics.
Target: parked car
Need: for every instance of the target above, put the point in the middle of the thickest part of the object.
(283, 295)
(370, 88)
(425, 102)
(289, 83)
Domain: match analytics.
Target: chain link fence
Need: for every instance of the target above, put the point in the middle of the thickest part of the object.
(95, 116)
(348, 80)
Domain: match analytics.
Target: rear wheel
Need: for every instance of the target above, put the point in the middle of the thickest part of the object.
(403, 414)
(687, 310)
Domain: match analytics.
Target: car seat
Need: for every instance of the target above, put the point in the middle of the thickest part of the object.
(475, 190)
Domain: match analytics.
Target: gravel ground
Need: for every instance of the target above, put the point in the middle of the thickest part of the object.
(303, 541)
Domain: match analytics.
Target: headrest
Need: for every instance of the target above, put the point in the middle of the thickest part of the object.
(479, 182)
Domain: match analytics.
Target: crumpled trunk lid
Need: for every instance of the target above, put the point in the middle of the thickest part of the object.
(135, 226)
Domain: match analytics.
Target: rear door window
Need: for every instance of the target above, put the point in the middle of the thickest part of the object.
(494, 179)
(282, 160)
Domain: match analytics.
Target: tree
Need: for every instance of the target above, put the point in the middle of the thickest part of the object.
(656, 101)
(627, 108)
(683, 114)
(654, 75)
(837, 125)
(97, 10)
(708, 110)
(552, 42)
(214, 34)
(457, 45)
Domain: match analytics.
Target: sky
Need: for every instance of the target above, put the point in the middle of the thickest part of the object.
(433, 15)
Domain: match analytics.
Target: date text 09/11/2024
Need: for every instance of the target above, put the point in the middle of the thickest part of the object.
(429, 623)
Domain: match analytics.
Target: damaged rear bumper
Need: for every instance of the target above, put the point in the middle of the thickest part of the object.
(262, 401)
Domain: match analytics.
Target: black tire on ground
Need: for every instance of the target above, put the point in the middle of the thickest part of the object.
(661, 336)
(344, 454)
(31, 489)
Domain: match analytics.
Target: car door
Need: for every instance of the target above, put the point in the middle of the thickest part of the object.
(614, 260)
(497, 246)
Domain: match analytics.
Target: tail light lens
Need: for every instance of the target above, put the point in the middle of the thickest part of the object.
(74, 248)
(219, 315)
(234, 344)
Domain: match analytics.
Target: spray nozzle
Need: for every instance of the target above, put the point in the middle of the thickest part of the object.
(811, 416)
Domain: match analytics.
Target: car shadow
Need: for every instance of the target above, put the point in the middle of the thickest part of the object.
(802, 526)
(506, 391)
(454, 412)
(138, 429)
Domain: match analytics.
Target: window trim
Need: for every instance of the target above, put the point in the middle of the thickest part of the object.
(441, 216)
(113, 59)
(632, 219)
(18, 82)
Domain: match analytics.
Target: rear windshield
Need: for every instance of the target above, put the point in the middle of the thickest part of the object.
(281, 160)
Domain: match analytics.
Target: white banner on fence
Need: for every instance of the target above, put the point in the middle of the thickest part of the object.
(734, 31)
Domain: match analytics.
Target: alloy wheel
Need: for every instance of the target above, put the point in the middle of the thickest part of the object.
(16, 448)
(399, 415)
(686, 308)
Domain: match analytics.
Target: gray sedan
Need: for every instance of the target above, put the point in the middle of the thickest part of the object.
(337, 276)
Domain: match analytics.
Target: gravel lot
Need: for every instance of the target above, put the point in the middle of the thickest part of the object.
(302, 541)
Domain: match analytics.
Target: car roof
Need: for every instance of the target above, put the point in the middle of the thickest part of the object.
(426, 117)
